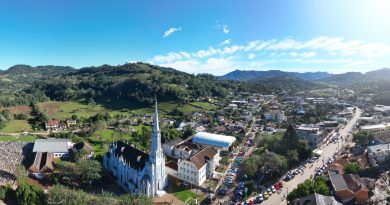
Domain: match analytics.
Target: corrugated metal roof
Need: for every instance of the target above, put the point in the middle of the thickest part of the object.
(52, 145)
(213, 139)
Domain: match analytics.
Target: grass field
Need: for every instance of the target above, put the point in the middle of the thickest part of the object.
(204, 105)
(166, 107)
(27, 138)
(18, 109)
(64, 110)
(100, 139)
(323, 92)
(16, 126)
(183, 194)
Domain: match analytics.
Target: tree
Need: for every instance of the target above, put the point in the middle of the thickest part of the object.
(362, 138)
(290, 139)
(188, 132)
(251, 166)
(292, 157)
(30, 195)
(90, 170)
(352, 168)
(309, 187)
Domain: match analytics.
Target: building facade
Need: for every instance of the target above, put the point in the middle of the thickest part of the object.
(136, 171)
(198, 167)
(311, 133)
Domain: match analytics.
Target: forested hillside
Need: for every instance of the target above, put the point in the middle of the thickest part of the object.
(137, 83)
(14, 80)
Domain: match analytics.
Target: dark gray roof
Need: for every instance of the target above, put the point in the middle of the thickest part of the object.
(52, 145)
(316, 199)
(133, 156)
(337, 180)
(174, 142)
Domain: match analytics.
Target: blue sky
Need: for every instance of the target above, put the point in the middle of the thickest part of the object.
(198, 36)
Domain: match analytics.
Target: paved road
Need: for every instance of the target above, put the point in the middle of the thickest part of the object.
(327, 151)
(228, 196)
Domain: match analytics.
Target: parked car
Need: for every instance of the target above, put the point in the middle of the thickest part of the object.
(265, 195)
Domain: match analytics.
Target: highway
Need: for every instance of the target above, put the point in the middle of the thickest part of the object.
(327, 151)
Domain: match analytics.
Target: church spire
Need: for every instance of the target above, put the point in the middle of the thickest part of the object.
(156, 150)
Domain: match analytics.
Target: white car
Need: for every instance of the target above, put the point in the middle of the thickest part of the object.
(273, 189)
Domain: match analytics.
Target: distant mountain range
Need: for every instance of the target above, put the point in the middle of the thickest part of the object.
(340, 79)
(244, 75)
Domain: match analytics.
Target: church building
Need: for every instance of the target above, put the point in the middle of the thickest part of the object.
(136, 171)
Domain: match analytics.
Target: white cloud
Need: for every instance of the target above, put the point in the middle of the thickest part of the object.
(251, 56)
(170, 31)
(217, 66)
(225, 28)
(225, 42)
(321, 51)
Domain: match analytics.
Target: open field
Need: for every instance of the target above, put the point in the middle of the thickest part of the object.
(64, 110)
(204, 105)
(326, 92)
(166, 107)
(18, 109)
(27, 138)
(15, 126)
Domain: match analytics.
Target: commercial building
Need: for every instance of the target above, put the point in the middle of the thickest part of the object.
(44, 152)
(215, 140)
(310, 132)
(378, 129)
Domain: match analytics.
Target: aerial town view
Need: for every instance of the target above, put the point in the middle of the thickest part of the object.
(195, 102)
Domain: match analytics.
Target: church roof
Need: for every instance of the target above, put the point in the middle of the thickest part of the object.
(201, 158)
(131, 155)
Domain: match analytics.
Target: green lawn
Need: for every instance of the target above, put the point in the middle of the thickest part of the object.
(100, 139)
(16, 126)
(27, 138)
(183, 193)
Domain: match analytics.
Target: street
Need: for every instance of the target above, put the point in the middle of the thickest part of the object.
(328, 151)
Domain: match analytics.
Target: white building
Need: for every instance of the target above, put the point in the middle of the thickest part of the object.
(135, 170)
(216, 140)
(274, 115)
(198, 167)
(311, 133)
(181, 149)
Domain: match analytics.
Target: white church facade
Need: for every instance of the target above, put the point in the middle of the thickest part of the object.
(136, 171)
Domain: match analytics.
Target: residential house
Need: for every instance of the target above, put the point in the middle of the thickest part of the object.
(379, 155)
(55, 125)
(316, 199)
(348, 188)
(275, 115)
(71, 123)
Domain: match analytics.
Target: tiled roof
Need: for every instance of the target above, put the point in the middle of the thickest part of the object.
(200, 158)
